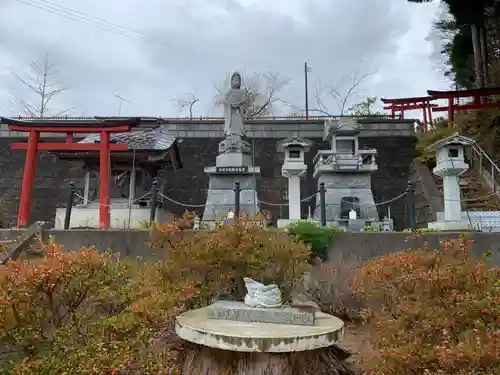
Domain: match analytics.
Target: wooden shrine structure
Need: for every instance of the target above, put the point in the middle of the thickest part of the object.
(481, 99)
(68, 127)
(399, 106)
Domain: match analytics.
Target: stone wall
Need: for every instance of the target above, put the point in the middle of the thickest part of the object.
(51, 184)
(189, 185)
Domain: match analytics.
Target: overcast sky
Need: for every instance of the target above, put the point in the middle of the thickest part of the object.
(158, 50)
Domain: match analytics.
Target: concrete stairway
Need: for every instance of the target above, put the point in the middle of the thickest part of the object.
(473, 187)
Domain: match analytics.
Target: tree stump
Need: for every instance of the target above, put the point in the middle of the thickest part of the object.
(200, 359)
(229, 347)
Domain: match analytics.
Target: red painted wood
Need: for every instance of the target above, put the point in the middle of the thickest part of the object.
(463, 93)
(406, 100)
(68, 146)
(467, 107)
(70, 129)
(33, 145)
(28, 180)
(104, 209)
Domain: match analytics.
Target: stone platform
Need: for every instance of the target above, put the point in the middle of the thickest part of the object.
(221, 196)
(195, 326)
(238, 311)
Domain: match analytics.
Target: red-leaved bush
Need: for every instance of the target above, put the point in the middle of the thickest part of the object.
(90, 313)
(80, 312)
(432, 311)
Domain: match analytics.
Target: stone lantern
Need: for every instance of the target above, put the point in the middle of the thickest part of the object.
(450, 164)
(294, 168)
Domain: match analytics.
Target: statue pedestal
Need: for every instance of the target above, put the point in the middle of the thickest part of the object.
(254, 348)
(222, 179)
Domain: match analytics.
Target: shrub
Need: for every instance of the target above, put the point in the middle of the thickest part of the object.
(215, 262)
(432, 311)
(85, 312)
(371, 229)
(79, 312)
(318, 238)
(420, 230)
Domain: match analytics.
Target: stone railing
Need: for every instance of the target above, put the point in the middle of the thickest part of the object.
(363, 160)
(268, 127)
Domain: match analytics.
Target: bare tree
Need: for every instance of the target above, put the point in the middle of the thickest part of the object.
(187, 103)
(341, 94)
(262, 93)
(365, 108)
(41, 79)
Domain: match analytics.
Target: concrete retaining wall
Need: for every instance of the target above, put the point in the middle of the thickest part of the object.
(357, 246)
(364, 246)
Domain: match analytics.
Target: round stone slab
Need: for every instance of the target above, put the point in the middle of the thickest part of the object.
(196, 327)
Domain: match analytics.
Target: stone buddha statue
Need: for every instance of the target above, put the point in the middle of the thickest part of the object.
(233, 111)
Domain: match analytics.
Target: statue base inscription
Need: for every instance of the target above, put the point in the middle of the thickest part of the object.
(238, 311)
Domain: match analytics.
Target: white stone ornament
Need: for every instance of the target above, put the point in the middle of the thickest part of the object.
(260, 295)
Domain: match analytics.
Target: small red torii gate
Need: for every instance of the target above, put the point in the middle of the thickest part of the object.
(478, 95)
(408, 104)
(68, 127)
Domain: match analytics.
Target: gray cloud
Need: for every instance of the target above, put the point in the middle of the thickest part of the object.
(189, 46)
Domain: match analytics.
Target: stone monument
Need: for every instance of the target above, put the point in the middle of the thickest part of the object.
(346, 172)
(233, 164)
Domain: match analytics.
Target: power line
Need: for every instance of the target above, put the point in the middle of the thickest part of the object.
(101, 23)
(86, 19)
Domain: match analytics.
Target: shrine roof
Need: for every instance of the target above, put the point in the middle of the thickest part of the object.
(294, 141)
(455, 139)
(157, 139)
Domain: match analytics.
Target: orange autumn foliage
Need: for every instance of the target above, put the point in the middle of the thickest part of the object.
(91, 313)
(80, 312)
(432, 311)
(215, 262)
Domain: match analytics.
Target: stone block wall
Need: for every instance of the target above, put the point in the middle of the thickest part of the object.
(428, 200)
(189, 184)
(51, 184)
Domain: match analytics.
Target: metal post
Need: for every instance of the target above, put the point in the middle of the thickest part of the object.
(154, 195)
(410, 202)
(237, 191)
(493, 185)
(69, 206)
(322, 204)
(306, 89)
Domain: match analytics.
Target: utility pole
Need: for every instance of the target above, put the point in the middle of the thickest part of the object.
(307, 69)
(121, 99)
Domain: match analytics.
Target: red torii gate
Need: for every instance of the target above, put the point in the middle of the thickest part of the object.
(408, 104)
(478, 95)
(68, 127)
